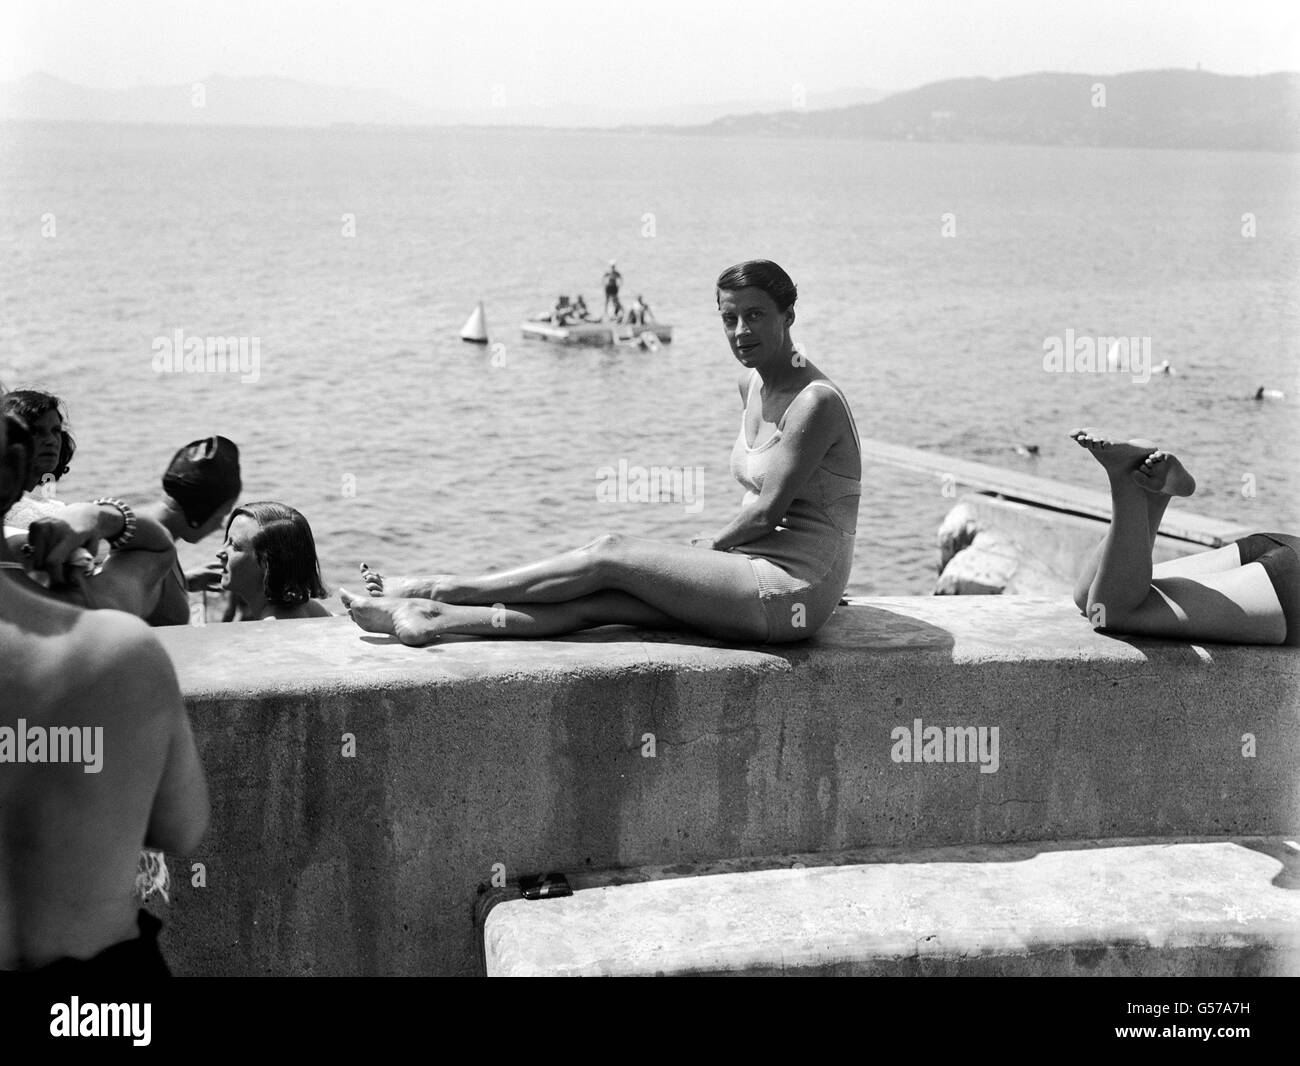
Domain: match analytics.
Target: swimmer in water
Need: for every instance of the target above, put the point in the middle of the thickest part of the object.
(269, 563)
(1247, 592)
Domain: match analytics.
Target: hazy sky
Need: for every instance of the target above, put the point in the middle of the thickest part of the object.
(633, 54)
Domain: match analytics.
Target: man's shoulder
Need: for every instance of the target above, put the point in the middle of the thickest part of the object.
(114, 639)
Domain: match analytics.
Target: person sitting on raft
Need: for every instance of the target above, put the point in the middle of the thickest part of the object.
(53, 446)
(269, 564)
(562, 313)
(774, 573)
(70, 840)
(638, 313)
(580, 311)
(1247, 592)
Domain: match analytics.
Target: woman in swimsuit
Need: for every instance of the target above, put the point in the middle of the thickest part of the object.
(774, 573)
(1247, 592)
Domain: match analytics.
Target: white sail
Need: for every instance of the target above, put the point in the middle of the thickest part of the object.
(475, 328)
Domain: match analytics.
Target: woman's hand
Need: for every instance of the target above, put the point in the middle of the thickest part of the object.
(204, 578)
(52, 542)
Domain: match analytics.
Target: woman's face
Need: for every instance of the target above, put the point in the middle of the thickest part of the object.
(47, 443)
(756, 330)
(242, 574)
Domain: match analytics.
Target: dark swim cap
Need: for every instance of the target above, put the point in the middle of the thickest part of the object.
(202, 476)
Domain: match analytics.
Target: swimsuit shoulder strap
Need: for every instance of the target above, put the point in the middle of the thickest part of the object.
(847, 410)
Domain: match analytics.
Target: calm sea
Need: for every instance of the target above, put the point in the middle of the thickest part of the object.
(411, 450)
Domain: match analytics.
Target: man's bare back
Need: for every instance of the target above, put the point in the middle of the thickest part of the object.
(70, 839)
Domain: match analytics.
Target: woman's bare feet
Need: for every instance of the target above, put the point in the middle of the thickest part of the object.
(1162, 472)
(412, 621)
(1117, 456)
(411, 588)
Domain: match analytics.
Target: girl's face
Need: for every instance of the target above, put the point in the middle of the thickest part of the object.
(243, 574)
(755, 329)
(47, 443)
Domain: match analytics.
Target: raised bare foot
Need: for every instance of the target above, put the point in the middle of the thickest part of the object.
(411, 621)
(412, 588)
(1162, 472)
(1117, 456)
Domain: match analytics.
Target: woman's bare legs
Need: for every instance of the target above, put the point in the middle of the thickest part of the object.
(418, 621)
(714, 592)
(1122, 571)
(1236, 604)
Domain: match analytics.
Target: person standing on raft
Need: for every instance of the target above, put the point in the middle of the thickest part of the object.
(774, 573)
(613, 279)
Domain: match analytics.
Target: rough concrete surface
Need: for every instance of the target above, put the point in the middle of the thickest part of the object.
(1147, 908)
(477, 759)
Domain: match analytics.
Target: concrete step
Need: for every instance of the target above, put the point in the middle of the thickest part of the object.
(1222, 907)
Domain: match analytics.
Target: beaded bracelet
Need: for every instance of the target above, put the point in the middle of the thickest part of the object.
(128, 522)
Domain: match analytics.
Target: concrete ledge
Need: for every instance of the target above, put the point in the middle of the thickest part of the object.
(1212, 908)
(480, 759)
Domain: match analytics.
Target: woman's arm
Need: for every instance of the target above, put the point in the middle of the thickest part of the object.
(813, 423)
(131, 575)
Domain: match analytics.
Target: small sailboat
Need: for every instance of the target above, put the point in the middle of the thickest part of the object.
(475, 328)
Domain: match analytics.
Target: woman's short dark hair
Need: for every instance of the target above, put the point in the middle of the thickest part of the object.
(286, 549)
(31, 405)
(760, 274)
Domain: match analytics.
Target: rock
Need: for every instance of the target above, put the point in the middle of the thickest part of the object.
(984, 568)
(956, 531)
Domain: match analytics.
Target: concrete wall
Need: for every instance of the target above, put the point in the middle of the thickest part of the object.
(529, 754)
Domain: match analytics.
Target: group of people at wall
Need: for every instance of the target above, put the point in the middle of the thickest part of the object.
(267, 565)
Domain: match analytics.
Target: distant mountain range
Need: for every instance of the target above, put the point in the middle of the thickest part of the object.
(1156, 109)
(1150, 109)
(271, 101)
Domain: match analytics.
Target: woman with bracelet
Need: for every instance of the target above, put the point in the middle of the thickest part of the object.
(774, 573)
(69, 840)
(63, 549)
(57, 553)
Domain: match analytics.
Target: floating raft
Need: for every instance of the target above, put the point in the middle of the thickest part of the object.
(1043, 492)
(597, 333)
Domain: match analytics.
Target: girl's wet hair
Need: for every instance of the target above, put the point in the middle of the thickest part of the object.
(286, 549)
(760, 274)
(31, 405)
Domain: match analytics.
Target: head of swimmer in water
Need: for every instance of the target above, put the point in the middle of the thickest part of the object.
(203, 483)
(269, 554)
(46, 417)
(756, 301)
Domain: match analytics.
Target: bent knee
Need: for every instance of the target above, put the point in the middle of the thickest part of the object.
(607, 550)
